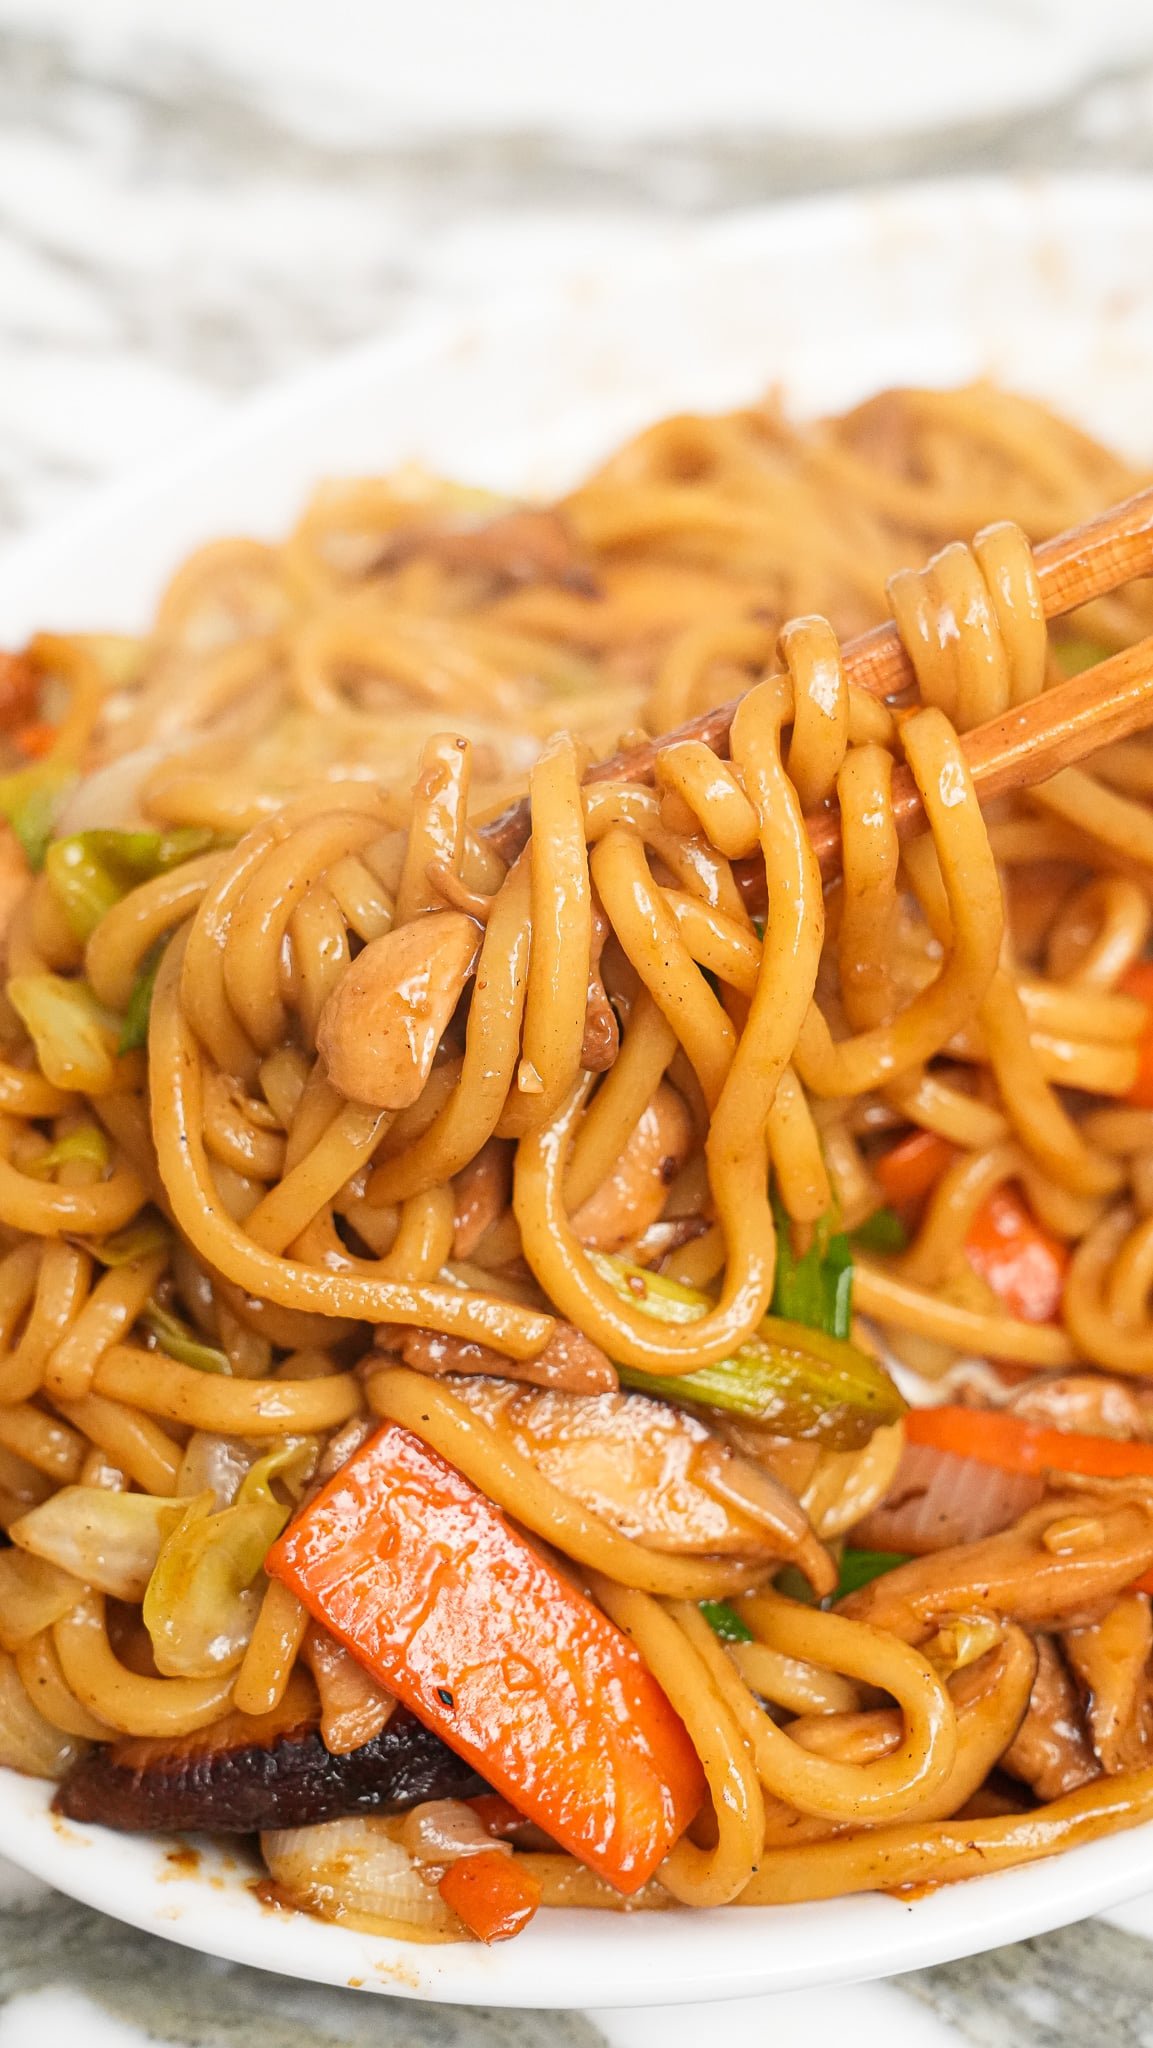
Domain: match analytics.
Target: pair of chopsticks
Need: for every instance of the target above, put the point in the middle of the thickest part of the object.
(1021, 748)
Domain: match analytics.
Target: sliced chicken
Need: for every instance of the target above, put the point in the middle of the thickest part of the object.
(1063, 1563)
(380, 1028)
(1092, 1402)
(652, 1471)
(1110, 1661)
(624, 1206)
(1051, 1751)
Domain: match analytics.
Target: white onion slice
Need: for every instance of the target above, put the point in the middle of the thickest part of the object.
(357, 1871)
(28, 1742)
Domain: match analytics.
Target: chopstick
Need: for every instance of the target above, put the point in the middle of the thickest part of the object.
(1026, 746)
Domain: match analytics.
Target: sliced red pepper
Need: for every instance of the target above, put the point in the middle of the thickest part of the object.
(424, 1580)
(1021, 1261)
(995, 1438)
(912, 1168)
(36, 739)
(500, 1819)
(492, 1893)
(18, 682)
(1139, 982)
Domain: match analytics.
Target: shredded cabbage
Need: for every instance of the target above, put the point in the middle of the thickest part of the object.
(74, 1035)
(30, 800)
(86, 1142)
(180, 1341)
(203, 1597)
(109, 1540)
(90, 871)
(147, 1233)
(134, 1034)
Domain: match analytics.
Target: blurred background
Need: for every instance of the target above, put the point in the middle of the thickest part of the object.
(197, 201)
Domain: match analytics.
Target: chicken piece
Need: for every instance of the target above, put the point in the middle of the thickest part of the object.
(620, 1211)
(652, 1471)
(1110, 1661)
(530, 544)
(353, 1707)
(481, 1193)
(381, 1026)
(570, 1361)
(1051, 1751)
(1063, 1562)
(601, 1042)
(1092, 1402)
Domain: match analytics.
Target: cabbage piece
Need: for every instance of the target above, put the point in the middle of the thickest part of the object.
(217, 1464)
(87, 1142)
(75, 1036)
(180, 1341)
(30, 800)
(28, 1742)
(138, 1015)
(147, 1233)
(90, 871)
(33, 1596)
(109, 1540)
(203, 1597)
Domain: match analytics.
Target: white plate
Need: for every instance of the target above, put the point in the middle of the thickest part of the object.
(1048, 285)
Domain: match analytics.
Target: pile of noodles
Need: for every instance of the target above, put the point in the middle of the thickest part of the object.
(219, 1197)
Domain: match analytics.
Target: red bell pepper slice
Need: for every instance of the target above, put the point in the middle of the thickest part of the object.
(996, 1438)
(493, 1895)
(424, 1580)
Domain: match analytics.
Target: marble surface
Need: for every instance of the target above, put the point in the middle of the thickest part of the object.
(179, 223)
(183, 221)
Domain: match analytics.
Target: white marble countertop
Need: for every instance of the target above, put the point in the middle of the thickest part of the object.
(195, 204)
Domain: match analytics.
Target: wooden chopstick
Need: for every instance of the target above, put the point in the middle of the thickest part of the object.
(1087, 562)
(1026, 746)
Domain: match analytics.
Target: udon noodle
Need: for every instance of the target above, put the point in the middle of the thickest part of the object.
(316, 1115)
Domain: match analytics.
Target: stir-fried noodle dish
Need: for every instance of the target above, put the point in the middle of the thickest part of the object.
(599, 1365)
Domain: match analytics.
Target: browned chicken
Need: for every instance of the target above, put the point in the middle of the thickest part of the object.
(1051, 1751)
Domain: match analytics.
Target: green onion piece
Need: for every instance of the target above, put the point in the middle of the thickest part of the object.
(816, 1289)
(29, 801)
(138, 1240)
(725, 1622)
(792, 1584)
(1075, 655)
(181, 1342)
(859, 1567)
(88, 1142)
(135, 1032)
(795, 1380)
(883, 1231)
(91, 871)
(74, 1035)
